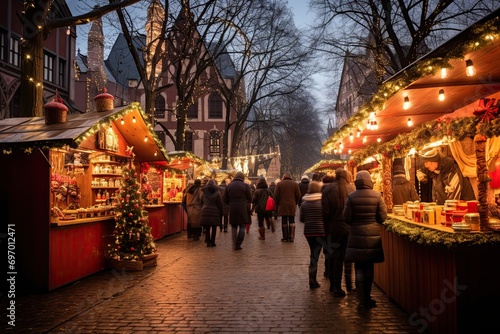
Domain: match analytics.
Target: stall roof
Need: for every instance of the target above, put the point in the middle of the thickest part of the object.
(27, 133)
(183, 160)
(421, 82)
(326, 166)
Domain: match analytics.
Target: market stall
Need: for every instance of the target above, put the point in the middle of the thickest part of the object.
(442, 275)
(181, 168)
(60, 181)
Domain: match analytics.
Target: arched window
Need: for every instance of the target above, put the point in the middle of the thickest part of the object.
(215, 106)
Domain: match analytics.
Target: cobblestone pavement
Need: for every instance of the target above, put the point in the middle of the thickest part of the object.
(196, 289)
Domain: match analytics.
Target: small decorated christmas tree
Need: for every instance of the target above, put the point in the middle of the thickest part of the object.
(132, 234)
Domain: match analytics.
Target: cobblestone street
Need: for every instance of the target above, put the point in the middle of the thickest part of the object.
(263, 288)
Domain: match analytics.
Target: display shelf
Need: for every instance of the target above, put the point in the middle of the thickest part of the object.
(107, 174)
(105, 187)
(80, 221)
(111, 162)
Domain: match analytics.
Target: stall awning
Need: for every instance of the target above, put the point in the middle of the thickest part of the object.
(326, 166)
(421, 82)
(183, 160)
(29, 133)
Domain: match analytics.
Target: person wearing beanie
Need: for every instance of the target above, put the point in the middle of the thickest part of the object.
(364, 212)
(333, 203)
(448, 182)
(238, 196)
(311, 214)
(402, 189)
(286, 197)
(191, 201)
(303, 186)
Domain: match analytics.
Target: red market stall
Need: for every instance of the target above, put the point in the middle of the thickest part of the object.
(58, 193)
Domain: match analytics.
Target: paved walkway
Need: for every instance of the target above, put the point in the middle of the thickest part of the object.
(196, 289)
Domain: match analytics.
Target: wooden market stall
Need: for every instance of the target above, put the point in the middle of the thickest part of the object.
(446, 280)
(59, 189)
(181, 168)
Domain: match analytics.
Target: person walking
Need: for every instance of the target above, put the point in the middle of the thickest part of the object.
(286, 197)
(364, 212)
(303, 186)
(238, 196)
(211, 211)
(259, 201)
(326, 180)
(192, 204)
(334, 197)
(225, 207)
(402, 189)
(311, 214)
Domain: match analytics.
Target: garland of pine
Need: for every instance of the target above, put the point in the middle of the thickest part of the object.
(430, 237)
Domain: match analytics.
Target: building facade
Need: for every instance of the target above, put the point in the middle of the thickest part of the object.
(58, 57)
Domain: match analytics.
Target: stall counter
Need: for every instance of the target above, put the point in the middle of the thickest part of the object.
(443, 279)
(176, 217)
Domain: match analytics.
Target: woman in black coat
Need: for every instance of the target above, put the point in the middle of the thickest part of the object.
(259, 200)
(333, 200)
(239, 196)
(211, 211)
(364, 211)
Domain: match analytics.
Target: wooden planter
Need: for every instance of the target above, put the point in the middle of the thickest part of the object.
(125, 265)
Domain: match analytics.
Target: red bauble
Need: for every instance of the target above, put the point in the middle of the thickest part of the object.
(132, 249)
(131, 214)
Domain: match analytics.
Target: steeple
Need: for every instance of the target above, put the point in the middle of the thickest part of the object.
(156, 17)
(95, 61)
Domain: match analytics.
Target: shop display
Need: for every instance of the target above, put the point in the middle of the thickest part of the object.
(173, 185)
(97, 175)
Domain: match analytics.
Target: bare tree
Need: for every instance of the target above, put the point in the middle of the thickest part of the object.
(272, 63)
(389, 35)
(37, 25)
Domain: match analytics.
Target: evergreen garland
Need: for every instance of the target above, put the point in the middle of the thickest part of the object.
(430, 237)
(132, 234)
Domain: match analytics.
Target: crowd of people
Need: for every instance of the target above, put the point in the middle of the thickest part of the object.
(329, 209)
(341, 216)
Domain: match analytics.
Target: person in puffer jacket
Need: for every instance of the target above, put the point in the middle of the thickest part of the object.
(311, 214)
(365, 211)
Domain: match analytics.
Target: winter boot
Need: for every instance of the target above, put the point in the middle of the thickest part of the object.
(284, 229)
(271, 222)
(292, 233)
(348, 276)
(337, 289)
(262, 233)
(238, 244)
(313, 283)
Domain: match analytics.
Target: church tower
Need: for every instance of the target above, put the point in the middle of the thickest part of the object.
(156, 18)
(97, 77)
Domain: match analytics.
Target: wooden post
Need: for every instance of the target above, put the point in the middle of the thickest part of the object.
(387, 182)
(483, 179)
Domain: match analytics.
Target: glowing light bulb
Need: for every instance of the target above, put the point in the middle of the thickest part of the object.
(122, 121)
(410, 122)
(469, 68)
(406, 103)
(441, 95)
(134, 120)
